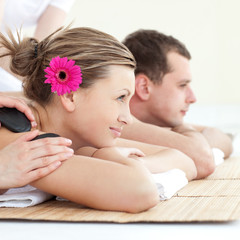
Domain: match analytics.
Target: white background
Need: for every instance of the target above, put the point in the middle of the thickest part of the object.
(11, 230)
(209, 28)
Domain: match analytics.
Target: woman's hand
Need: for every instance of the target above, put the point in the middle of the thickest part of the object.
(130, 152)
(24, 161)
(117, 154)
(19, 104)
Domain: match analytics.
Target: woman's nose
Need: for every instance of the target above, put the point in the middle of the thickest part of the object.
(126, 116)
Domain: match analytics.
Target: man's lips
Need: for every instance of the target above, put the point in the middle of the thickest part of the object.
(116, 131)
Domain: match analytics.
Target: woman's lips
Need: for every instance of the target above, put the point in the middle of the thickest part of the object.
(116, 131)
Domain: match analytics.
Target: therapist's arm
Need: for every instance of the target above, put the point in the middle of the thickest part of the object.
(51, 19)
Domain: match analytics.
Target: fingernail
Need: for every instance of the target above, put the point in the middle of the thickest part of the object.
(58, 163)
(70, 150)
(69, 154)
(34, 124)
(68, 141)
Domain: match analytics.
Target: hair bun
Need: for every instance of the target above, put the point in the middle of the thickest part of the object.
(24, 58)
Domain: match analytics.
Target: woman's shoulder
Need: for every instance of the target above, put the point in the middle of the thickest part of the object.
(86, 151)
(8, 137)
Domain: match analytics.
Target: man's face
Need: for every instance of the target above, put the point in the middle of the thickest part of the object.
(170, 100)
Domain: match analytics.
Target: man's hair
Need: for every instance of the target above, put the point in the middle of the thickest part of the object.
(150, 49)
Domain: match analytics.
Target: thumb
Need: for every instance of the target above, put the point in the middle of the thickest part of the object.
(137, 152)
(27, 137)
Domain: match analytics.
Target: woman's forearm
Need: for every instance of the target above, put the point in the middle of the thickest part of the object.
(102, 184)
(184, 138)
(160, 159)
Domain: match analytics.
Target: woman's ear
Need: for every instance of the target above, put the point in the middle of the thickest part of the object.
(142, 86)
(68, 101)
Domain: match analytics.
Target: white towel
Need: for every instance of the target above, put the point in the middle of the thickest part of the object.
(236, 145)
(218, 156)
(23, 197)
(9, 83)
(168, 183)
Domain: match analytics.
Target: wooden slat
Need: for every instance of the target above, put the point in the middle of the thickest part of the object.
(216, 198)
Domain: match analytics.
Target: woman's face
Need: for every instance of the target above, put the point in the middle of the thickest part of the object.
(103, 109)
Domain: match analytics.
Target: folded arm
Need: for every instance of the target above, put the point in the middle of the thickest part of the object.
(121, 185)
(216, 139)
(186, 140)
(161, 159)
(124, 185)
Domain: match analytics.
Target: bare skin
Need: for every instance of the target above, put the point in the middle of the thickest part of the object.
(22, 162)
(187, 142)
(159, 111)
(115, 178)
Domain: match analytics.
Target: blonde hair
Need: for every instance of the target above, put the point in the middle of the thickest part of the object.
(91, 49)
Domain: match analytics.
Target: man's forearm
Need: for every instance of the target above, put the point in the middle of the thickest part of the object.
(218, 139)
(189, 141)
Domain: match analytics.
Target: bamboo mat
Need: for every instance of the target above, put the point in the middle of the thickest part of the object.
(216, 198)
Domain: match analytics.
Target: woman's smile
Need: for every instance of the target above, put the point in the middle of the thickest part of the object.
(116, 131)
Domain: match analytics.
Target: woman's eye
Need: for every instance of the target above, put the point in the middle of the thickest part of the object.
(121, 98)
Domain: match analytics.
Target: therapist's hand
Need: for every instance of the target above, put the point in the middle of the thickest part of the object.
(12, 102)
(24, 161)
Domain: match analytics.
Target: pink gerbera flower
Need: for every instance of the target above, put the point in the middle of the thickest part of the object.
(63, 75)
